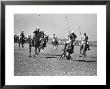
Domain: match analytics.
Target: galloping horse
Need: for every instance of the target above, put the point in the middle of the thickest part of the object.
(36, 43)
(43, 43)
(39, 42)
(69, 46)
(68, 51)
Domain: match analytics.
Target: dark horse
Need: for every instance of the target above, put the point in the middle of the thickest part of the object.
(39, 43)
(42, 44)
(21, 40)
(55, 43)
(83, 49)
(36, 43)
(68, 51)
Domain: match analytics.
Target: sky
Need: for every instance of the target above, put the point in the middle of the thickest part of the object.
(59, 24)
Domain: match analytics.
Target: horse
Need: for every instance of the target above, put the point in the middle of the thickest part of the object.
(21, 40)
(39, 42)
(36, 44)
(43, 43)
(68, 51)
(55, 43)
(83, 49)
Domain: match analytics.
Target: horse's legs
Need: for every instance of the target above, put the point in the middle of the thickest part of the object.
(88, 47)
(65, 47)
(84, 53)
(84, 50)
(55, 47)
(35, 50)
(19, 43)
(63, 55)
(38, 50)
(81, 47)
(22, 44)
(69, 57)
(42, 50)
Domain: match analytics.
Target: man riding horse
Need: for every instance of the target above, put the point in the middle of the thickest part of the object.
(43, 43)
(84, 46)
(21, 39)
(39, 41)
(36, 39)
(69, 45)
(71, 40)
(55, 41)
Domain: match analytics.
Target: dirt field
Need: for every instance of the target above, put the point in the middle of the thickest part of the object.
(49, 64)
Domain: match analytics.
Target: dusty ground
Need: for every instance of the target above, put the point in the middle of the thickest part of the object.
(49, 64)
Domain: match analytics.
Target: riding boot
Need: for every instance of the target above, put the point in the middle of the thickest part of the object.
(19, 44)
(35, 51)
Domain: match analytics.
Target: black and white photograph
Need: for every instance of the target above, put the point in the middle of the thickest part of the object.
(60, 44)
(55, 44)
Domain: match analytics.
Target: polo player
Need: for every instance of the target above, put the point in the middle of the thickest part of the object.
(54, 37)
(84, 42)
(22, 38)
(71, 40)
(55, 41)
(36, 39)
